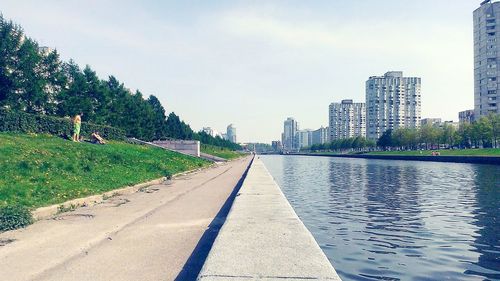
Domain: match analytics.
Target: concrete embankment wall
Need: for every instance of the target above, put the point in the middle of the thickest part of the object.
(264, 239)
(183, 146)
(493, 160)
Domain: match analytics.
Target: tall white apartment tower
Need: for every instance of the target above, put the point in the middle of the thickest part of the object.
(392, 102)
(289, 136)
(231, 133)
(347, 119)
(486, 59)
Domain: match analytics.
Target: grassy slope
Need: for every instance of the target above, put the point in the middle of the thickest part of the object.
(220, 152)
(43, 170)
(446, 152)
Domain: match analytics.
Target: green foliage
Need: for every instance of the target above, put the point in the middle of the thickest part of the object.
(15, 121)
(357, 143)
(216, 141)
(41, 170)
(14, 217)
(220, 152)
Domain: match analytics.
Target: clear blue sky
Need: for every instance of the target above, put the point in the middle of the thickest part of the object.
(254, 63)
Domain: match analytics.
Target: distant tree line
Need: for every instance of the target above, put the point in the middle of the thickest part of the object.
(35, 80)
(355, 143)
(484, 133)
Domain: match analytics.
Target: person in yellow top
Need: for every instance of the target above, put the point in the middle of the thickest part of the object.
(77, 124)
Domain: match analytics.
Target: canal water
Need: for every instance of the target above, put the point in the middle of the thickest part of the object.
(397, 220)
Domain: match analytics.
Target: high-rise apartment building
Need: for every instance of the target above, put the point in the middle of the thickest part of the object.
(231, 133)
(430, 122)
(277, 146)
(466, 116)
(320, 136)
(289, 135)
(347, 119)
(486, 58)
(209, 131)
(392, 102)
(304, 138)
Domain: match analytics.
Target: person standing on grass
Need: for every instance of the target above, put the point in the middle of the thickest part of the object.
(77, 124)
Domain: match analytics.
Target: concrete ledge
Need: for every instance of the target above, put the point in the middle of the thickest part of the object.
(46, 212)
(264, 239)
(492, 160)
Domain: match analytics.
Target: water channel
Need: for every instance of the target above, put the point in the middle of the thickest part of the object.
(397, 220)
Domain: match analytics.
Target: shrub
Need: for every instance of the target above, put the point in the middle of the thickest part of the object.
(14, 217)
(15, 121)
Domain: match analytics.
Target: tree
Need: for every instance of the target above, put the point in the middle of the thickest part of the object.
(160, 120)
(385, 139)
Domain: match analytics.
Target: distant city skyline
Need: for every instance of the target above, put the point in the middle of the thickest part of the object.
(256, 63)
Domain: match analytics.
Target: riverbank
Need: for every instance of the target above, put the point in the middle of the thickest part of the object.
(156, 234)
(221, 152)
(492, 160)
(264, 239)
(41, 170)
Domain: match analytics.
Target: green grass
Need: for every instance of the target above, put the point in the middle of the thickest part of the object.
(445, 152)
(41, 170)
(220, 152)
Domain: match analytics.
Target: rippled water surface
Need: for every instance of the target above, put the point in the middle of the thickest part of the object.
(397, 220)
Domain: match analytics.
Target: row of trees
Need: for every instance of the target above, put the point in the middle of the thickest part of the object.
(484, 132)
(35, 80)
(356, 143)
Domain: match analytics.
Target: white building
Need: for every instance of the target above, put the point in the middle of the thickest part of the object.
(392, 102)
(304, 138)
(231, 133)
(347, 119)
(209, 131)
(289, 135)
(486, 59)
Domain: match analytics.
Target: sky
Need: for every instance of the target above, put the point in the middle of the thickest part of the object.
(255, 63)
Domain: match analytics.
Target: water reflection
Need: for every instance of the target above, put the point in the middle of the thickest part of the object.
(487, 216)
(397, 220)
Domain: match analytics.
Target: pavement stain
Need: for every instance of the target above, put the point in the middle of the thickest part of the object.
(73, 217)
(5, 241)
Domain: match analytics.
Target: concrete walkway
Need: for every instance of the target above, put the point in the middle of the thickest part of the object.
(263, 238)
(161, 233)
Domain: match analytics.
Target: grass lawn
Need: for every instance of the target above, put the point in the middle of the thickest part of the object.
(445, 152)
(41, 170)
(220, 152)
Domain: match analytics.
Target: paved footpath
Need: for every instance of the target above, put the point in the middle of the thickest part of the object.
(148, 235)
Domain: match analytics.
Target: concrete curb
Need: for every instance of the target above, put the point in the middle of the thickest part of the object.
(491, 160)
(49, 211)
(264, 239)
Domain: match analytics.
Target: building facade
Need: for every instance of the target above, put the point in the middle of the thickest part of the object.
(466, 116)
(289, 135)
(304, 138)
(209, 131)
(392, 102)
(277, 146)
(347, 119)
(486, 58)
(320, 136)
(430, 122)
(231, 133)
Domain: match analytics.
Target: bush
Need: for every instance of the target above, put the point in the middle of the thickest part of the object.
(14, 217)
(15, 121)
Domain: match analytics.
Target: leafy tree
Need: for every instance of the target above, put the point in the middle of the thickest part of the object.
(385, 139)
